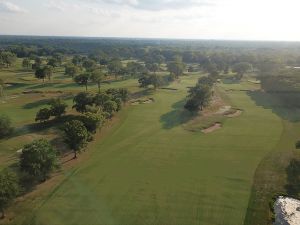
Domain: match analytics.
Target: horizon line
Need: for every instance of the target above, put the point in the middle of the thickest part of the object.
(149, 38)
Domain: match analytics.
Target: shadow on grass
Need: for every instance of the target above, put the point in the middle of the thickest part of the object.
(231, 81)
(14, 86)
(177, 116)
(44, 85)
(36, 104)
(284, 104)
(293, 178)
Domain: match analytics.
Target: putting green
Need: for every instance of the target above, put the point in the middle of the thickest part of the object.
(150, 170)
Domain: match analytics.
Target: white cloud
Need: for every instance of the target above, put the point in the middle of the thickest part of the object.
(9, 7)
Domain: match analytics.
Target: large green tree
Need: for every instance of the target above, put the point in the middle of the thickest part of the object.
(71, 70)
(76, 135)
(97, 77)
(83, 79)
(176, 67)
(241, 68)
(43, 115)
(82, 101)
(57, 107)
(38, 159)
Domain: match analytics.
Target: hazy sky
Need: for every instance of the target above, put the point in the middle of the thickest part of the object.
(192, 19)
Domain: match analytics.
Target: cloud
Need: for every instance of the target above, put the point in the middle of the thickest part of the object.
(61, 6)
(9, 7)
(156, 5)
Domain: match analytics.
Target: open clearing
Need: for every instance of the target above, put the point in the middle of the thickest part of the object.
(151, 170)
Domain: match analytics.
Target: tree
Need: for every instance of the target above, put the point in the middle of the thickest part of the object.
(92, 121)
(58, 107)
(176, 67)
(5, 126)
(2, 84)
(77, 60)
(43, 72)
(101, 98)
(151, 79)
(110, 107)
(199, 97)
(7, 58)
(38, 159)
(26, 63)
(241, 68)
(43, 115)
(40, 74)
(48, 71)
(76, 136)
(152, 67)
(83, 79)
(114, 67)
(135, 69)
(53, 62)
(82, 100)
(97, 77)
(71, 70)
(89, 65)
(9, 189)
(121, 93)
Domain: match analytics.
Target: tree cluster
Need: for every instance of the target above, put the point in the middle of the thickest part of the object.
(57, 109)
(200, 95)
(95, 110)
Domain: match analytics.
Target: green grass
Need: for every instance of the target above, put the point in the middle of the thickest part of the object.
(150, 170)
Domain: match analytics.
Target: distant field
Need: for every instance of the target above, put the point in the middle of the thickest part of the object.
(151, 170)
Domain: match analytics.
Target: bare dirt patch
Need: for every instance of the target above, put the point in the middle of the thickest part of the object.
(142, 101)
(213, 128)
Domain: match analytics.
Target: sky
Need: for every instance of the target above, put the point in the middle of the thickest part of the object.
(187, 19)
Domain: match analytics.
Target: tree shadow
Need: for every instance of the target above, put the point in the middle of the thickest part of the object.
(293, 178)
(44, 85)
(231, 81)
(177, 116)
(36, 104)
(13, 86)
(284, 104)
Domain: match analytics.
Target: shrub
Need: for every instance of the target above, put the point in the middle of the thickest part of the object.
(5, 126)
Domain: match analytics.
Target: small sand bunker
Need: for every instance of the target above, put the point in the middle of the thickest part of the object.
(142, 101)
(20, 151)
(287, 211)
(234, 114)
(213, 128)
(169, 89)
(223, 109)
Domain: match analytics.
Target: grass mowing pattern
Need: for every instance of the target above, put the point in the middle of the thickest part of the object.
(145, 172)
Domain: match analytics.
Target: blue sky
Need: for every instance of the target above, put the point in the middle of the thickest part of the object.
(194, 19)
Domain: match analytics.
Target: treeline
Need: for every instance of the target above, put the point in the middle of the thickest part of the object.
(39, 158)
(284, 84)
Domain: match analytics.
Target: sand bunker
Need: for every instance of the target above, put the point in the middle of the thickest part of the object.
(142, 101)
(235, 114)
(20, 151)
(213, 128)
(223, 109)
(287, 211)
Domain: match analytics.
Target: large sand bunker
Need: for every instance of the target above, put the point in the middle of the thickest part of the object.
(212, 128)
(287, 211)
